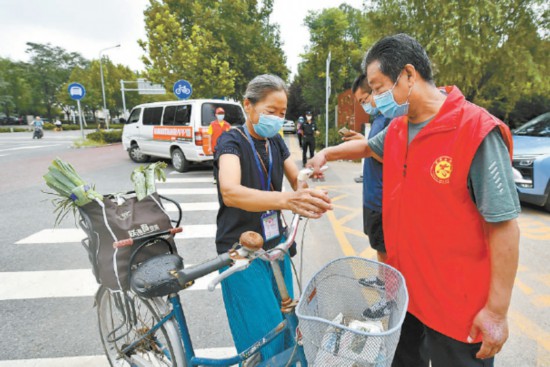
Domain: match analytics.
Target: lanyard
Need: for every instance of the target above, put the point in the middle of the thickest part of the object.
(264, 187)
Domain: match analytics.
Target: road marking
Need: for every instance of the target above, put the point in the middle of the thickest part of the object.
(62, 283)
(530, 329)
(72, 235)
(188, 180)
(101, 360)
(56, 235)
(29, 147)
(167, 192)
(523, 287)
(541, 301)
(191, 207)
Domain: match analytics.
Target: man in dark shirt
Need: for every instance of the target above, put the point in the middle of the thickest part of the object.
(309, 130)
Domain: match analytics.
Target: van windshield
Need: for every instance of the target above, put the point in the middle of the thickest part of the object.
(233, 113)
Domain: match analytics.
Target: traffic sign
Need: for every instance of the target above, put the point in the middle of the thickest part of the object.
(182, 89)
(76, 91)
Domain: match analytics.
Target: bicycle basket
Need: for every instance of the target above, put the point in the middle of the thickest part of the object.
(107, 221)
(351, 313)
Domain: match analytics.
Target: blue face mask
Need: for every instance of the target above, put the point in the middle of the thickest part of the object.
(373, 111)
(387, 105)
(268, 125)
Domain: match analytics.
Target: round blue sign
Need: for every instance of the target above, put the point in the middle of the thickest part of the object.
(182, 89)
(76, 91)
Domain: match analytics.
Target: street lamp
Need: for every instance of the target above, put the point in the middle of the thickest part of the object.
(103, 84)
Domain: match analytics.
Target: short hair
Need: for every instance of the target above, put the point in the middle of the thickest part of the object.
(394, 52)
(259, 87)
(361, 82)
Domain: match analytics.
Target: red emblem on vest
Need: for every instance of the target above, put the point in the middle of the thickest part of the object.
(441, 169)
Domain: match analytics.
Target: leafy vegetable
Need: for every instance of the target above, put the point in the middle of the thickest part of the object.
(71, 190)
(144, 178)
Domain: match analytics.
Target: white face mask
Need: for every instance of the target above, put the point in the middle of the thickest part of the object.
(308, 118)
(220, 117)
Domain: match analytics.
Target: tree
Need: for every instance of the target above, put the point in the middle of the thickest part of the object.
(336, 30)
(90, 78)
(15, 91)
(494, 51)
(218, 45)
(49, 69)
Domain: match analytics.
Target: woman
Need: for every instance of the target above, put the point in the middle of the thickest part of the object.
(249, 164)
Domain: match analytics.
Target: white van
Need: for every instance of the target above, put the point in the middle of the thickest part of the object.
(176, 130)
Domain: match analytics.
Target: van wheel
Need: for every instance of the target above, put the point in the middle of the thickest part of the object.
(136, 155)
(179, 162)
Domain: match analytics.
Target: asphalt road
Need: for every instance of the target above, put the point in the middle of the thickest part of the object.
(45, 321)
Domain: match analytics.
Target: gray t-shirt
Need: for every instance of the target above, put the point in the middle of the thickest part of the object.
(490, 180)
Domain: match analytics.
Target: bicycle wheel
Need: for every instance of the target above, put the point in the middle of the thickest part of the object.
(124, 317)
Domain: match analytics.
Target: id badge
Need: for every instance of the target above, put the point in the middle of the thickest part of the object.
(270, 225)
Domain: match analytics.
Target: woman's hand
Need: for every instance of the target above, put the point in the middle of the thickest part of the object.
(309, 203)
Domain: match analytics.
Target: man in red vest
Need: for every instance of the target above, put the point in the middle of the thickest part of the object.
(216, 128)
(449, 209)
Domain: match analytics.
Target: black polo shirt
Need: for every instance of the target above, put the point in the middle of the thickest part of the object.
(232, 222)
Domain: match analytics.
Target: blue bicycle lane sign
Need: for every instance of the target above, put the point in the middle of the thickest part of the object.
(183, 89)
(76, 91)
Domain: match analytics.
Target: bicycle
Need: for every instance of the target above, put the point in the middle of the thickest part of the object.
(146, 326)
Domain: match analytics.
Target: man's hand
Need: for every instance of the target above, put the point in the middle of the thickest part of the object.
(315, 163)
(352, 135)
(494, 332)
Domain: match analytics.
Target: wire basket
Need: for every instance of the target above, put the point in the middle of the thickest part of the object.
(351, 312)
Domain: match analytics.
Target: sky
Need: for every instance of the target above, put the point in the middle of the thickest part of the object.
(88, 26)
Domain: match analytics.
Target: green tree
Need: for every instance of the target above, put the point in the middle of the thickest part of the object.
(218, 45)
(496, 52)
(49, 69)
(334, 30)
(15, 91)
(90, 78)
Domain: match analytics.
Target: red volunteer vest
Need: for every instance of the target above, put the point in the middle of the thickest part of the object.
(217, 130)
(433, 231)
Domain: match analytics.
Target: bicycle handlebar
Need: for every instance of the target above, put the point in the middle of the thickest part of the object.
(250, 251)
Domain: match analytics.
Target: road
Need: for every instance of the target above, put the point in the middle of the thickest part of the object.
(47, 313)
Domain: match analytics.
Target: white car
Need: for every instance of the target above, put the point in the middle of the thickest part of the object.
(176, 130)
(289, 127)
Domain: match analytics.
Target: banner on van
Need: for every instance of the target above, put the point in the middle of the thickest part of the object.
(173, 133)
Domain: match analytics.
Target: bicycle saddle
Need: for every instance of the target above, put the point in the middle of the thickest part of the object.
(152, 278)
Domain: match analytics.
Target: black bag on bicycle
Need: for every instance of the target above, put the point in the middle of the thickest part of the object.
(118, 218)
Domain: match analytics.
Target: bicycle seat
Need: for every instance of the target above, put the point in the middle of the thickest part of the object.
(152, 278)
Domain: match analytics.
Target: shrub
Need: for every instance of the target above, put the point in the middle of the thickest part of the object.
(108, 137)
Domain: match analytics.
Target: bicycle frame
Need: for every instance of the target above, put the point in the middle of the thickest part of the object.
(291, 355)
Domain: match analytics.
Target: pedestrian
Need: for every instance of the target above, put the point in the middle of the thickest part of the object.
(449, 207)
(309, 130)
(372, 174)
(217, 128)
(250, 162)
(299, 130)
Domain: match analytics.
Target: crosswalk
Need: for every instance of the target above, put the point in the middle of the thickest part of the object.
(196, 195)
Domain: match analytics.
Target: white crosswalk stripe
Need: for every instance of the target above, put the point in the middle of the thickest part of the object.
(59, 284)
(72, 235)
(101, 361)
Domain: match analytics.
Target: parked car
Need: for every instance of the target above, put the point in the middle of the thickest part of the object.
(531, 161)
(176, 130)
(289, 127)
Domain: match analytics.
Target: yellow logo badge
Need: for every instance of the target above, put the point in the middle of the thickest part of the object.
(441, 169)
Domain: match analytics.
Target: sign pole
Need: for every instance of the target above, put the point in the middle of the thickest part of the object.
(328, 88)
(80, 118)
(123, 99)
